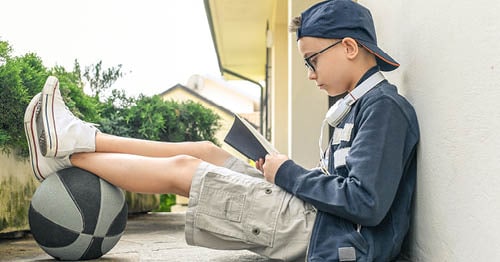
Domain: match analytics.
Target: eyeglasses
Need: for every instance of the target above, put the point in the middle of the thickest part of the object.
(309, 64)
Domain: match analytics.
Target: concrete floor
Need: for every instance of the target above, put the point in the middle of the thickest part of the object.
(147, 237)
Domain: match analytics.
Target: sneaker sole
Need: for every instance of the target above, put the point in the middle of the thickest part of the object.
(30, 116)
(49, 147)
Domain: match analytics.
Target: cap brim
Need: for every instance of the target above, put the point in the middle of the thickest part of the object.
(384, 61)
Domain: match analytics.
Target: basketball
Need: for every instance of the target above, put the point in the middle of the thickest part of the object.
(75, 215)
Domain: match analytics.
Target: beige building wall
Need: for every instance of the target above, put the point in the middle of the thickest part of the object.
(279, 78)
(223, 94)
(307, 105)
(297, 106)
(450, 70)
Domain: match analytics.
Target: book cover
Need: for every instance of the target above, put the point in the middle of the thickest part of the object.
(247, 140)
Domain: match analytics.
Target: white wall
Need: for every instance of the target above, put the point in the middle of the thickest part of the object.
(279, 78)
(450, 56)
(307, 104)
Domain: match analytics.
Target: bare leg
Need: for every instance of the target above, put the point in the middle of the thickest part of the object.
(205, 150)
(140, 173)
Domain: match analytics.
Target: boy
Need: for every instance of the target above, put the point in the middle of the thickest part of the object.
(356, 207)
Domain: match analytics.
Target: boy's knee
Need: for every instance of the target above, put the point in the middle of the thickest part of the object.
(207, 145)
(209, 149)
(184, 160)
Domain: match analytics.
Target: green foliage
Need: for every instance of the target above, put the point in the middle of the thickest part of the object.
(20, 79)
(147, 116)
(114, 111)
(23, 77)
(4, 138)
(190, 121)
(101, 79)
(144, 117)
(166, 201)
(152, 118)
(5, 51)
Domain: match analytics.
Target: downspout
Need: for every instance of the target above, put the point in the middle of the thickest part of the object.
(269, 44)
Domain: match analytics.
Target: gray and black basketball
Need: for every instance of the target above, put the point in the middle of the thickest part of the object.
(75, 215)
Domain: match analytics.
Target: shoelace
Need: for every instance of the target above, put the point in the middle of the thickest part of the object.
(94, 125)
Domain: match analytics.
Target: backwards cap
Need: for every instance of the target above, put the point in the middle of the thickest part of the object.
(337, 19)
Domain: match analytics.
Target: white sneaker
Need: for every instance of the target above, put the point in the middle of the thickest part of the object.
(42, 166)
(63, 133)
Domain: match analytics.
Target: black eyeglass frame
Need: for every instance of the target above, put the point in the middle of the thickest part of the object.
(307, 60)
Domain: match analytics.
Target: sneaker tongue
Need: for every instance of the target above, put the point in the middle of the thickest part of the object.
(41, 141)
(92, 124)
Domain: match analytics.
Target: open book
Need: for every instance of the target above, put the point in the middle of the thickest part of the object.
(247, 140)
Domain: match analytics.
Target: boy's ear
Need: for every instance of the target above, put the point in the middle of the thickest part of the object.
(351, 47)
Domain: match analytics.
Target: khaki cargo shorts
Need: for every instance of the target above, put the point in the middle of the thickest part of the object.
(233, 207)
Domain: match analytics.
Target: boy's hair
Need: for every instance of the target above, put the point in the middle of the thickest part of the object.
(295, 24)
(337, 19)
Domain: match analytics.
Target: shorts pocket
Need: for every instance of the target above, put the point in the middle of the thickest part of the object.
(224, 205)
(238, 208)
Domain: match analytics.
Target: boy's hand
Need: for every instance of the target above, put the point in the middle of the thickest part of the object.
(270, 165)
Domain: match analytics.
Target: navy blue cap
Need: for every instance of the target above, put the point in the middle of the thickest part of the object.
(337, 19)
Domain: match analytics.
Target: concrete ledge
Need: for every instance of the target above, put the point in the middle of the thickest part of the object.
(18, 185)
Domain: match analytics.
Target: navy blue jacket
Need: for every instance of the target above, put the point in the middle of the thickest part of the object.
(364, 206)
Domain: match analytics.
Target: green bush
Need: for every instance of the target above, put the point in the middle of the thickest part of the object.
(166, 202)
(20, 79)
(144, 117)
(154, 119)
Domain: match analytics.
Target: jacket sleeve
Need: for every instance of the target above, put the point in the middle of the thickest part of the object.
(375, 164)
